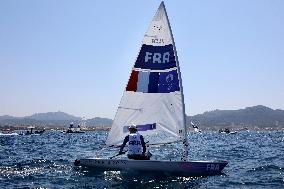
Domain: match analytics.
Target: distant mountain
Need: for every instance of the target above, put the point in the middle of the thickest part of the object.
(98, 121)
(52, 116)
(7, 117)
(52, 119)
(256, 116)
(251, 117)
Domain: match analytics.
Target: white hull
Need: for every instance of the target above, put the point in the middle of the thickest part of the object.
(8, 134)
(191, 168)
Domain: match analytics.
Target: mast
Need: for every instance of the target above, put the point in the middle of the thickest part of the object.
(185, 141)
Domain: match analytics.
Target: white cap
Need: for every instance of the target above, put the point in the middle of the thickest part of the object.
(132, 127)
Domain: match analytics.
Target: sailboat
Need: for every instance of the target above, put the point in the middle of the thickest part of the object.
(195, 127)
(153, 100)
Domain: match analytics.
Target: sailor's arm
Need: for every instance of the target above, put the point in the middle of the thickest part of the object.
(143, 144)
(126, 139)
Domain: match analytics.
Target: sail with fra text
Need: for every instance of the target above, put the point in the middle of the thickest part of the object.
(153, 99)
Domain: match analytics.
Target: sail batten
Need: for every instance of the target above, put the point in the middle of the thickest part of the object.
(153, 98)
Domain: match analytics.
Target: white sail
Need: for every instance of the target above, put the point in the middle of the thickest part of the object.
(153, 98)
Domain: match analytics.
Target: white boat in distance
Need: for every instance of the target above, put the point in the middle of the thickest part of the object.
(73, 129)
(8, 134)
(195, 127)
(153, 100)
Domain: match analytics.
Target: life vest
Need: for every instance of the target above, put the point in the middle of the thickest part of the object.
(134, 144)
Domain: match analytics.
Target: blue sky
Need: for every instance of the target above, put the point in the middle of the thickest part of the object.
(76, 56)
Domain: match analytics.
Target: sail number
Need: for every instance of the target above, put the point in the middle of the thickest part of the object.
(159, 41)
(157, 57)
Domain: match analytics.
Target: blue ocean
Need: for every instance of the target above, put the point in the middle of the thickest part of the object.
(256, 160)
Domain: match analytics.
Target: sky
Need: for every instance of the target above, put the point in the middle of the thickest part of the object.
(76, 56)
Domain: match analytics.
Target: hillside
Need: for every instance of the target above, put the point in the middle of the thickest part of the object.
(52, 119)
(256, 117)
(53, 116)
(250, 117)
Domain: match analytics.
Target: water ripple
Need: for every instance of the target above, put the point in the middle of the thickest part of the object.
(46, 161)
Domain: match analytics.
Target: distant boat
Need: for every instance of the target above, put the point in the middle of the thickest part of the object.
(153, 100)
(31, 131)
(8, 134)
(73, 129)
(195, 127)
(227, 131)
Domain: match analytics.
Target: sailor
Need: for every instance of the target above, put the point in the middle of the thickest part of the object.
(136, 145)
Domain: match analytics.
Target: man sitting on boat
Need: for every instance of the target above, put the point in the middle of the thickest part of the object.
(136, 145)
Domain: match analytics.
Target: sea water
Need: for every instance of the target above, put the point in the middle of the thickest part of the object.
(256, 160)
